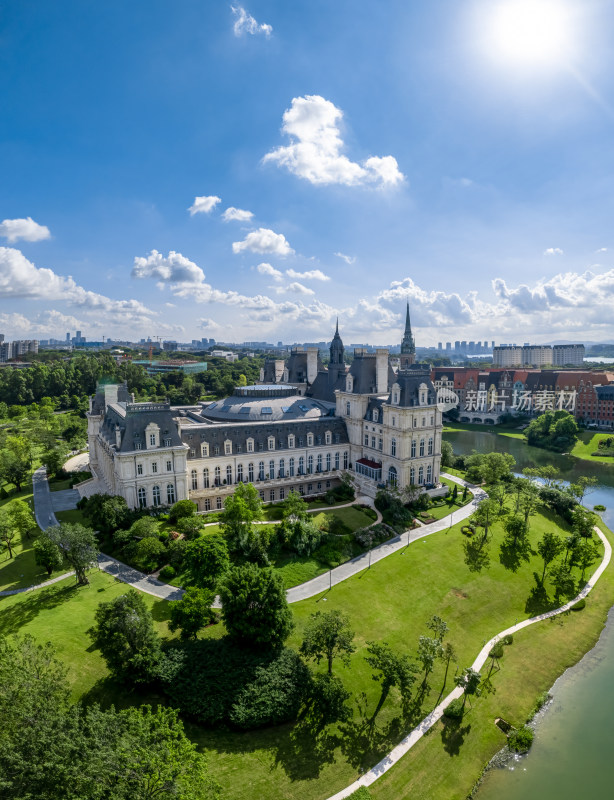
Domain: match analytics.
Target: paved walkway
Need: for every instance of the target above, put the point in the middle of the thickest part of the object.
(43, 510)
(65, 499)
(356, 565)
(78, 463)
(427, 723)
(9, 592)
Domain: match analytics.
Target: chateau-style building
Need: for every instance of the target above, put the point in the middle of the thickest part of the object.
(300, 429)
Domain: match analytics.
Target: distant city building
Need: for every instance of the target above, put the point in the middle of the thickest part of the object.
(538, 355)
(187, 367)
(20, 347)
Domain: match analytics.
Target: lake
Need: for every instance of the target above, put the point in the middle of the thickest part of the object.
(571, 756)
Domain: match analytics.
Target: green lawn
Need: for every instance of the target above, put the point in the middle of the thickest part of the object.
(73, 515)
(587, 444)
(389, 602)
(62, 614)
(507, 429)
(447, 506)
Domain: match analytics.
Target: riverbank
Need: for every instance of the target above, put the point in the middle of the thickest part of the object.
(583, 450)
(446, 764)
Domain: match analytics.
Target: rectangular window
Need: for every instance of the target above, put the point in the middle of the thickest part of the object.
(272, 495)
(152, 439)
(207, 504)
(366, 439)
(328, 484)
(380, 444)
(310, 488)
(218, 502)
(301, 490)
(192, 452)
(250, 446)
(227, 448)
(216, 450)
(139, 469)
(154, 466)
(282, 494)
(169, 466)
(373, 442)
(137, 446)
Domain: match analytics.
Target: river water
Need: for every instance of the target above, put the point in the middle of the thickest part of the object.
(571, 757)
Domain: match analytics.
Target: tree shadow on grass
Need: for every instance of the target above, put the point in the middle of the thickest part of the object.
(538, 601)
(477, 555)
(161, 611)
(453, 735)
(306, 751)
(364, 743)
(107, 691)
(29, 606)
(512, 556)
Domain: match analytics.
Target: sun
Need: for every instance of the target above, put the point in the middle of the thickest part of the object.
(530, 32)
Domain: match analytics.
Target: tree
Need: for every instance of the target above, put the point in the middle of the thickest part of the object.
(583, 522)
(78, 545)
(438, 626)
(241, 510)
(447, 454)
(585, 555)
(448, 655)
(495, 467)
(516, 529)
(254, 607)
(191, 527)
(529, 500)
(15, 460)
(428, 650)
(125, 635)
(327, 701)
(147, 554)
(207, 559)
(554, 430)
(106, 512)
(303, 535)
(328, 635)
(484, 516)
(8, 531)
(192, 613)
(549, 548)
(47, 554)
(469, 681)
(54, 751)
(22, 516)
(392, 669)
(182, 509)
(54, 459)
(294, 508)
(560, 577)
(455, 493)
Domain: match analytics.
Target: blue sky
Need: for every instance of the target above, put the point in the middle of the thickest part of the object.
(384, 152)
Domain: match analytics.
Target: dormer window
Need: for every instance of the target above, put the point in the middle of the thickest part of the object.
(375, 416)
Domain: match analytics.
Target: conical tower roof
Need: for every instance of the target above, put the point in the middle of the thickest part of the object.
(408, 346)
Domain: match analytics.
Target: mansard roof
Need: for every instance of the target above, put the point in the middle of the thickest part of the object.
(132, 420)
(409, 382)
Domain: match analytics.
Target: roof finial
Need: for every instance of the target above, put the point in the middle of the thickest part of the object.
(337, 328)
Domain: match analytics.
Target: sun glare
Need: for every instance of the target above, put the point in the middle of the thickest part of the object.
(530, 32)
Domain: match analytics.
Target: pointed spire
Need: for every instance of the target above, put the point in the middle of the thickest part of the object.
(408, 347)
(337, 328)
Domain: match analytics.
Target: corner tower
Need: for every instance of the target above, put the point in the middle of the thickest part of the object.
(408, 347)
(336, 366)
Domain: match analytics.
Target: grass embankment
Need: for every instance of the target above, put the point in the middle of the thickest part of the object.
(389, 602)
(507, 429)
(588, 443)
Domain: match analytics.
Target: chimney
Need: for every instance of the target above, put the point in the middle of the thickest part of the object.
(312, 364)
(110, 394)
(381, 369)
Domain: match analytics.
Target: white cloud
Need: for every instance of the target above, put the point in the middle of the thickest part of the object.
(602, 250)
(310, 275)
(233, 214)
(347, 259)
(208, 324)
(204, 205)
(267, 269)
(298, 288)
(553, 251)
(174, 268)
(245, 23)
(315, 152)
(264, 240)
(20, 278)
(25, 229)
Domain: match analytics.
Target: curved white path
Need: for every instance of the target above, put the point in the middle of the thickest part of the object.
(427, 723)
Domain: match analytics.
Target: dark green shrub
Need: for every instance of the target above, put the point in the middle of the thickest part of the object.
(181, 509)
(508, 639)
(147, 555)
(496, 651)
(455, 709)
(599, 507)
(521, 740)
(361, 794)
(190, 527)
(167, 573)
(218, 683)
(579, 605)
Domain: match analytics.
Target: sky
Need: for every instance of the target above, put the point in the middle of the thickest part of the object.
(252, 171)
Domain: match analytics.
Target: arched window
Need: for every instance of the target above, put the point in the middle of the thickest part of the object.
(412, 476)
(291, 468)
(429, 474)
(328, 462)
(430, 447)
(347, 409)
(421, 447)
(319, 463)
(142, 494)
(156, 495)
(239, 473)
(218, 476)
(392, 476)
(206, 478)
(250, 472)
(194, 479)
(336, 460)
(282, 468)
(170, 494)
(413, 448)
(301, 465)
(309, 465)
(261, 470)
(228, 474)
(393, 447)
(271, 469)
(420, 476)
